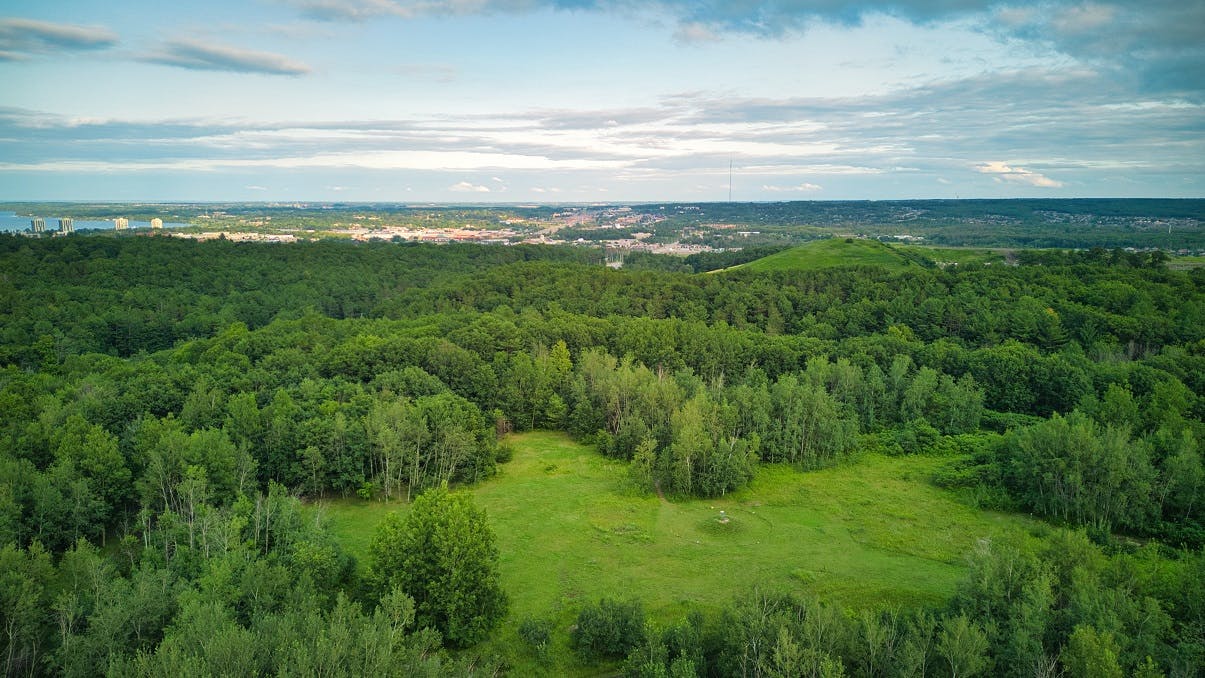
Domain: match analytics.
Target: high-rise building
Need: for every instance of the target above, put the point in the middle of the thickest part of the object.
(121, 223)
(156, 223)
(38, 224)
(66, 225)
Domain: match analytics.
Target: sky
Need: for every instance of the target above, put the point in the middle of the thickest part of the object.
(599, 100)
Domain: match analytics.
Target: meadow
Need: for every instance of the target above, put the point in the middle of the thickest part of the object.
(826, 253)
(571, 530)
(955, 255)
(830, 252)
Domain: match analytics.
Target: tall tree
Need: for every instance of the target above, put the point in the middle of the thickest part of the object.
(442, 554)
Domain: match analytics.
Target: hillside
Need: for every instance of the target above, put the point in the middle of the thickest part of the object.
(835, 252)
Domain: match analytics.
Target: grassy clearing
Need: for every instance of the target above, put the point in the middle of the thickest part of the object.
(956, 255)
(832, 252)
(868, 534)
(1186, 263)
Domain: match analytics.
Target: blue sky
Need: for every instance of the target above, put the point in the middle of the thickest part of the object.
(597, 100)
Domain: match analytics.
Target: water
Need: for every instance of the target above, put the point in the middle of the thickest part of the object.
(11, 221)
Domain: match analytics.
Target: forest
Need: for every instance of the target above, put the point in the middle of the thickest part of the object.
(171, 410)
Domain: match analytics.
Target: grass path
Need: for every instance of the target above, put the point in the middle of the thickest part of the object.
(570, 531)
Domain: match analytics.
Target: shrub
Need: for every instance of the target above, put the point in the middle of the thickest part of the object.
(608, 630)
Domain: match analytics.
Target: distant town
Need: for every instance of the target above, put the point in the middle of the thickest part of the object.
(1173, 226)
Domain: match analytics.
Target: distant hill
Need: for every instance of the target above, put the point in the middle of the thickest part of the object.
(832, 252)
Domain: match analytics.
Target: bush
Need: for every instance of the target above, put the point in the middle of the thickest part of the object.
(1006, 421)
(916, 437)
(504, 454)
(538, 634)
(608, 630)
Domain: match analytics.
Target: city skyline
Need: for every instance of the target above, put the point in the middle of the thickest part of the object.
(585, 100)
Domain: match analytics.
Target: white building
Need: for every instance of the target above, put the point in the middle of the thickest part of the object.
(121, 223)
(66, 225)
(156, 223)
(38, 224)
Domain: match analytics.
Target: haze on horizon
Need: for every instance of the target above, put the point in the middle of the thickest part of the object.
(600, 100)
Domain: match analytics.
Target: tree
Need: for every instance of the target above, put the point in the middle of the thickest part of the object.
(1071, 469)
(963, 645)
(442, 554)
(25, 576)
(1091, 653)
(94, 453)
(812, 429)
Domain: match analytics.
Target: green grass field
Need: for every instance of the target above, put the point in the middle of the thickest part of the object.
(1186, 263)
(832, 252)
(570, 531)
(955, 255)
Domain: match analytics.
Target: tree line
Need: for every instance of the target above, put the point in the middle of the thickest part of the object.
(1060, 609)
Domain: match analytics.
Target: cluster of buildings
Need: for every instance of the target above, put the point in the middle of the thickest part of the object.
(478, 235)
(38, 226)
(237, 236)
(123, 224)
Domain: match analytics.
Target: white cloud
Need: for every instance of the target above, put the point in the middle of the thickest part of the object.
(254, 187)
(466, 187)
(1083, 18)
(799, 188)
(1018, 175)
(21, 37)
(695, 33)
(1015, 17)
(206, 56)
(375, 160)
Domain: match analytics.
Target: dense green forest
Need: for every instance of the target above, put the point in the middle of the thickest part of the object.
(168, 408)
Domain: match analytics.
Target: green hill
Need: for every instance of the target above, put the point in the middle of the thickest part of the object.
(836, 252)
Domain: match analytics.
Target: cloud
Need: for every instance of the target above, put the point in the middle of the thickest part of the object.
(1158, 43)
(361, 10)
(466, 187)
(1018, 175)
(1083, 18)
(999, 134)
(694, 33)
(21, 38)
(800, 188)
(256, 188)
(344, 10)
(203, 56)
